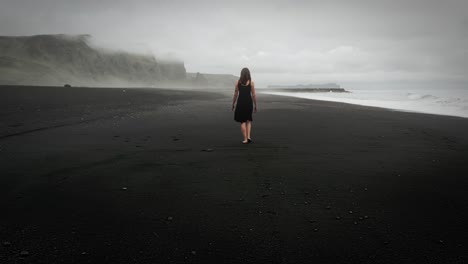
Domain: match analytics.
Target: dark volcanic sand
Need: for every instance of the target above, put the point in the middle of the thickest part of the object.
(107, 176)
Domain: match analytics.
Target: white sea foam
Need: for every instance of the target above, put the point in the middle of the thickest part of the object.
(453, 102)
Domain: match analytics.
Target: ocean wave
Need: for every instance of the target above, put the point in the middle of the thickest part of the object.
(415, 96)
(440, 102)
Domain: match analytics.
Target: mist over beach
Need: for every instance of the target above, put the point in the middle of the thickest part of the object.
(120, 139)
(416, 46)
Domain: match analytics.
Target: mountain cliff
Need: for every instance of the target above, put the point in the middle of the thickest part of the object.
(61, 59)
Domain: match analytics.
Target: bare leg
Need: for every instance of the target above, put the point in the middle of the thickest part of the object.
(244, 131)
(249, 127)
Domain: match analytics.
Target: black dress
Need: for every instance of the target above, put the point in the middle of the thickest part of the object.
(244, 105)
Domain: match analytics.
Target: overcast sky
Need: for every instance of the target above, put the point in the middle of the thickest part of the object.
(398, 42)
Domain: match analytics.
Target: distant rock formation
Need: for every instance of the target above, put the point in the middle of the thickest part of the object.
(302, 86)
(57, 59)
(307, 90)
(200, 80)
(212, 80)
(310, 88)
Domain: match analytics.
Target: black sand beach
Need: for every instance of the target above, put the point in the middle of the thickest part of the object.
(159, 176)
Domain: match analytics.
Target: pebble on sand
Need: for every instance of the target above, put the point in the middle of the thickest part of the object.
(124, 188)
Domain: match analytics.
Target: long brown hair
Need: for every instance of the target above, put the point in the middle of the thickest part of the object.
(244, 76)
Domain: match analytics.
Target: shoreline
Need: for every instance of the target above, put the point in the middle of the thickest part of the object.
(363, 104)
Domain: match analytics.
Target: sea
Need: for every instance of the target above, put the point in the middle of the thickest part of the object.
(450, 102)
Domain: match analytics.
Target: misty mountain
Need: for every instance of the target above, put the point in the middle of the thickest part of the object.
(61, 59)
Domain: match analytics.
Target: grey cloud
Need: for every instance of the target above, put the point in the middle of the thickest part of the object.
(281, 41)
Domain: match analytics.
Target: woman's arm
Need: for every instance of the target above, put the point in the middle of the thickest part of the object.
(254, 97)
(236, 93)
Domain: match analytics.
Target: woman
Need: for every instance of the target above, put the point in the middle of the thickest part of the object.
(244, 94)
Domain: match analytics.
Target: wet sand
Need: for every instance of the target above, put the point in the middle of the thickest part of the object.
(160, 176)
